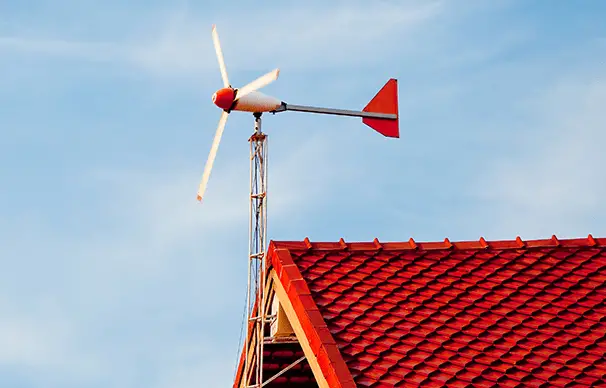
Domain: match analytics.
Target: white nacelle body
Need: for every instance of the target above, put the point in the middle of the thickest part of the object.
(257, 102)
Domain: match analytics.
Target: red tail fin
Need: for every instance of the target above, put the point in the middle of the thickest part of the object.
(386, 101)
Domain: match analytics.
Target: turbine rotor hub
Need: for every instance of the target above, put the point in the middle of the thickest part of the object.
(224, 98)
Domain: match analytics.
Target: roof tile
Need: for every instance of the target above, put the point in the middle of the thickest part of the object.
(480, 313)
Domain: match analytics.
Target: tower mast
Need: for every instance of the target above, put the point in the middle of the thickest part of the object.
(253, 367)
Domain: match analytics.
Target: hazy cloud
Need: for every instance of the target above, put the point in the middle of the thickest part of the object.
(300, 37)
(556, 185)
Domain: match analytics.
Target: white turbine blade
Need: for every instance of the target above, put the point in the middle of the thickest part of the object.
(220, 57)
(212, 155)
(257, 84)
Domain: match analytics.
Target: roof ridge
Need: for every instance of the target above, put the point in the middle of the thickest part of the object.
(446, 244)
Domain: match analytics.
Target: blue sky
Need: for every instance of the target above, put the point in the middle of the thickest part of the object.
(113, 275)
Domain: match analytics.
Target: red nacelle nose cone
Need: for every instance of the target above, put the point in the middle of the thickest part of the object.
(224, 98)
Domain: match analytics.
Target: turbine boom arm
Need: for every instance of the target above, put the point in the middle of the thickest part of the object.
(337, 112)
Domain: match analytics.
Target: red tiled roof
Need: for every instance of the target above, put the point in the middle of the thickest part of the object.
(504, 313)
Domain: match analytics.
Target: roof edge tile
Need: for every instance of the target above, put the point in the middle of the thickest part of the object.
(316, 331)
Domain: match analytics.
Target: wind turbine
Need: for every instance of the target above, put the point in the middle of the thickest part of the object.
(381, 113)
